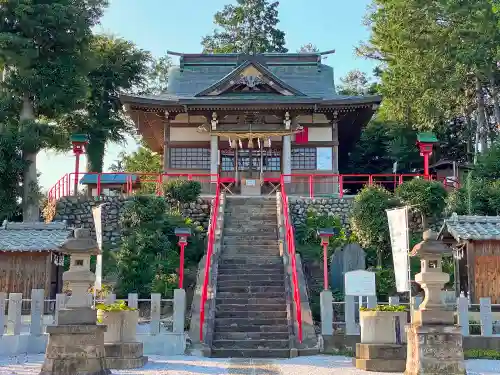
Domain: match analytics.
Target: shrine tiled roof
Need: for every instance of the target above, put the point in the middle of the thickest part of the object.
(303, 74)
(475, 228)
(32, 237)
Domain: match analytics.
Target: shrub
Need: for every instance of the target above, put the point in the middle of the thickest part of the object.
(482, 354)
(369, 219)
(116, 306)
(183, 191)
(388, 308)
(428, 197)
(475, 197)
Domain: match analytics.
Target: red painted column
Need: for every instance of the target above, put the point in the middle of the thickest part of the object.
(325, 264)
(181, 264)
(77, 171)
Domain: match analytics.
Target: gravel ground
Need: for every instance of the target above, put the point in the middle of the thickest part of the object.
(191, 365)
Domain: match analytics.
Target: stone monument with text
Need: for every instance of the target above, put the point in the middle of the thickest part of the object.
(76, 342)
(434, 341)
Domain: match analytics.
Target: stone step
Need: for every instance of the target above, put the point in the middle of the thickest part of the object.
(250, 307)
(254, 259)
(250, 289)
(250, 217)
(255, 237)
(251, 314)
(250, 283)
(220, 301)
(251, 231)
(251, 277)
(245, 327)
(251, 344)
(259, 295)
(251, 203)
(249, 240)
(253, 246)
(231, 335)
(246, 268)
(249, 254)
(250, 353)
(238, 324)
(236, 222)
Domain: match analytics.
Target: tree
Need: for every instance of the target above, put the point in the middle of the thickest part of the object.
(369, 219)
(117, 65)
(43, 50)
(428, 197)
(142, 160)
(248, 27)
(308, 48)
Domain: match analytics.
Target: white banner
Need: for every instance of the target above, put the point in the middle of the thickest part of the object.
(97, 213)
(398, 230)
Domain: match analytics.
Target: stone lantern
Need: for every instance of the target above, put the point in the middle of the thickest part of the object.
(76, 342)
(78, 308)
(434, 342)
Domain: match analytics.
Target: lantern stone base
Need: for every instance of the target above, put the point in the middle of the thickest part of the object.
(75, 350)
(127, 355)
(380, 357)
(76, 316)
(434, 350)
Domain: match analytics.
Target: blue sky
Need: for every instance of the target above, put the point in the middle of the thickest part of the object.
(161, 25)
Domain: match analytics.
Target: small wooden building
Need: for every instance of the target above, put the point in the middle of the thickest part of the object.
(30, 257)
(476, 244)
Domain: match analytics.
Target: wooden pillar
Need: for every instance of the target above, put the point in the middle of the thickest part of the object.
(166, 142)
(287, 157)
(214, 157)
(335, 139)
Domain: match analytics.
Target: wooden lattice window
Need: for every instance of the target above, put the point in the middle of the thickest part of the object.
(304, 158)
(189, 158)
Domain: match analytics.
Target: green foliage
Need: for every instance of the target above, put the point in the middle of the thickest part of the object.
(248, 27)
(309, 243)
(475, 197)
(148, 259)
(385, 282)
(116, 65)
(183, 191)
(428, 197)
(113, 307)
(369, 219)
(388, 308)
(482, 354)
(488, 164)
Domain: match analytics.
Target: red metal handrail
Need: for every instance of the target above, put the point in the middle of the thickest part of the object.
(290, 242)
(208, 261)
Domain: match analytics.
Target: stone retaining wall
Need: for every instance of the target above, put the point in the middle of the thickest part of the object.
(77, 211)
(342, 208)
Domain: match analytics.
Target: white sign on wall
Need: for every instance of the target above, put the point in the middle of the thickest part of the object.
(324, 158)
(360, 283)
(398, 230)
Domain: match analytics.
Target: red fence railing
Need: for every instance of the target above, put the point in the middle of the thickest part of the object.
(208, 261)
(309, 185)
(290, 244)
(125, 182)
(317, 185)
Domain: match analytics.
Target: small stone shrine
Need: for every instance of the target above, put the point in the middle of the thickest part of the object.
(76, 343)
(434, 341)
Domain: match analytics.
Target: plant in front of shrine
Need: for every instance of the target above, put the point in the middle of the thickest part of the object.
(369, 220)
(120, 319)
(183, 191)
(387, 308)
(427, 197)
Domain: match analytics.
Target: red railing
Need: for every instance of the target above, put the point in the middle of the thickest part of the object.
(317, 185)
(126, 182)
(208, 261)
(290, 244)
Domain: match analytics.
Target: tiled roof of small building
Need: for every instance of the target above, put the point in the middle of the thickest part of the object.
(33, 236)
(478, 228)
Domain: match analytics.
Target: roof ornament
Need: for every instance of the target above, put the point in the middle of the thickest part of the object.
(250, 81)
(214, 121)
(287, 121)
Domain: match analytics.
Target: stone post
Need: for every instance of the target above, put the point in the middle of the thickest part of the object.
(3, 297)
(434, 342)
(179, 310)
(76, 342)
(14, 313)
(37, 299)
(326, 305)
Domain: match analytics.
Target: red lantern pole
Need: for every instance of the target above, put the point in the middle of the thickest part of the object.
(79, 141)
(325, 262)
(425, 142)
(183, 234)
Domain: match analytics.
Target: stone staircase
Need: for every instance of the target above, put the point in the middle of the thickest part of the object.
(251, 314)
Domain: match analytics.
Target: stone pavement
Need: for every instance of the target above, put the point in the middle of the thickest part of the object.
(191, 365)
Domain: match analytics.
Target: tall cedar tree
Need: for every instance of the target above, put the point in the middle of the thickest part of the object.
(248, 27)
(43, 47)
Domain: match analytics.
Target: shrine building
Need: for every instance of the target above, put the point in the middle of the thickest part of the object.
(251, 117)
